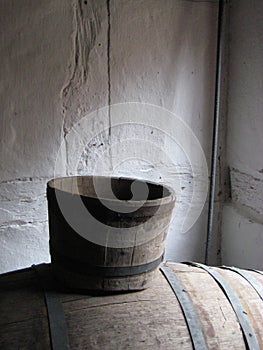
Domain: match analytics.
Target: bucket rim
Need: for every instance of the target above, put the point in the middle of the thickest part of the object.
(171, 197)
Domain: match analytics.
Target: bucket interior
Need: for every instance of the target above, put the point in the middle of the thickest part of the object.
(111, 188)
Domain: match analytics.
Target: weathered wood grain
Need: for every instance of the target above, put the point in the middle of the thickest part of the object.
(147, 319)
(218, 320)
(249, 299)
(118, 238)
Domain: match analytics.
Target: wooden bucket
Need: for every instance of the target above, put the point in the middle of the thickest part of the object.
(103, 236)
(188, 307)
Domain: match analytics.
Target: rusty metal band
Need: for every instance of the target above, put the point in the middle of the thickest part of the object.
(247, 329)
(104, 271)
(247, 276)
(191, 318)
(56, 318)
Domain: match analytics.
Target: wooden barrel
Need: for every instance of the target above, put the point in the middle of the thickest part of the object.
(188, 307)
(107, 233)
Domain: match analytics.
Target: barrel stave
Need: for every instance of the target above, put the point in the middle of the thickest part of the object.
(148, 319)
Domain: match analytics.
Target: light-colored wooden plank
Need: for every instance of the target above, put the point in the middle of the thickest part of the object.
(218, 320)
(148, 319)
(249, 299)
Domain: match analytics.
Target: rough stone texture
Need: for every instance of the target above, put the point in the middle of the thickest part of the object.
(242, 239)
(86, 87)
(35, 50)
(165, 55)
(23, 245)
(61, 61)
(242, 242)
(23, 201)
(168, 60)
(246, 191)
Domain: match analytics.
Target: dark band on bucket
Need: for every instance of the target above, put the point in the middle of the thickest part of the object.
(104, 271)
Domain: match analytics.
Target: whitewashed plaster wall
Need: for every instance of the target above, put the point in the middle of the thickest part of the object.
(62, 60)
(242, 229)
